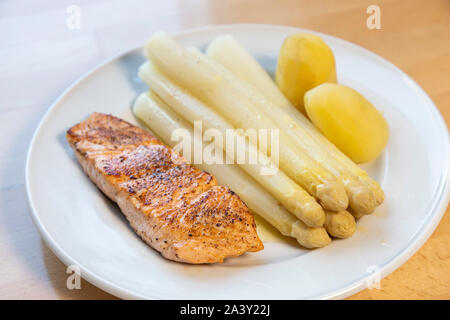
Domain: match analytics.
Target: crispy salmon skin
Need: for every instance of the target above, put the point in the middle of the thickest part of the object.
(175, 208)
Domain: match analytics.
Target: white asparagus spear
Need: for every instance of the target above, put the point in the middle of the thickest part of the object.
(340, 224)
(292, 196)
(155, 114)
(210, 86)
(227, 51)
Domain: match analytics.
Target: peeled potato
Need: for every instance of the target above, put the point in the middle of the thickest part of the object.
(348, 120)
(304, 62)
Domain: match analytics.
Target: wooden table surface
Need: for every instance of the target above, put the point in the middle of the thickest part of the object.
(40, 56)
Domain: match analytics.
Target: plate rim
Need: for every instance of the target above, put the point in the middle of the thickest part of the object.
(437, 208)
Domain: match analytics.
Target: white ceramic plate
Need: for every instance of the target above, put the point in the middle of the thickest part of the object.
(84, 228)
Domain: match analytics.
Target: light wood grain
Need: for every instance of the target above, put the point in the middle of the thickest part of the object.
(40, 57)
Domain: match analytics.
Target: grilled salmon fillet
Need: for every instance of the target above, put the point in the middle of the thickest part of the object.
(177, 209)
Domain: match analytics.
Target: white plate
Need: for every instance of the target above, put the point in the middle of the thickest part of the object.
(83, 228)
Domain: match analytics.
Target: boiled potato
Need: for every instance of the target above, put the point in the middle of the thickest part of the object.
(305, 61)
(348, 120)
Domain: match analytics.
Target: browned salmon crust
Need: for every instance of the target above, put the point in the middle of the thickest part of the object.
(175, 208)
